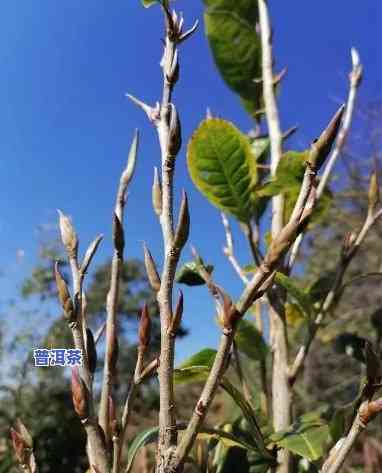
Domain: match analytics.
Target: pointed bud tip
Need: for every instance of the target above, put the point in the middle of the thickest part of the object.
(355, 57)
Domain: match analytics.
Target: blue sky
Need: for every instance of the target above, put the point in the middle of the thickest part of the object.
(66, 125)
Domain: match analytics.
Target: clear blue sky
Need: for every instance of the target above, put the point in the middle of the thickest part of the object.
(66, 125)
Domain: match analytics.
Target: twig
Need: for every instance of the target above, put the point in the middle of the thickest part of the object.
(240, 373)
(229, 251)
(140, 374)
(111, 352)
(259, 283)
(280, 389)
(253, 243)
(166, 120)
(99, 333)
(355, 77)
(75, 317)
(331, 296)
(367, 411)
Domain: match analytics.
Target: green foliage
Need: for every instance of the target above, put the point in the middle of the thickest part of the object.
(307, 437)
(196, 368)
(149, 3)
(250, 341)
(249, 415)
(189, 273)
(289, 174)
(300, 296)
(319, 289)
(140, 440)
(236, 48)
(222, 166)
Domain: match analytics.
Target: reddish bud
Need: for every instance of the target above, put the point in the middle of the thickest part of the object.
(91, 351)
(79, 395)
(118, 236)
(19, 447)
(369, 410)
(183, 226)
(144, 332)
(64, 295)
(151, 270)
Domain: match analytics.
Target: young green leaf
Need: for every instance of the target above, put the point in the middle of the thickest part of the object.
(196, 368)
(223, 168)
(307, 437)
(250, 341)
(149, 3)
(236, 48)
(189, 274)
(300, 296)
(249, 415)
(289, 174)
(139, 441)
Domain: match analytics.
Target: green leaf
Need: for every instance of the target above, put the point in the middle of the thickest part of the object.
(307, 437)
(289, 174)
(337, 424)
(320, 288)
(151, 435)
(196, 368)
(189, 274)
(249, 415)
(300, 296)
(222, 167)
(294, 315)
(250, 341)
(226, 437)
(236, 47)
(351, 344)
(320, 210)
(205, 357)
(149, 3)
(140, 440)
(260, 148)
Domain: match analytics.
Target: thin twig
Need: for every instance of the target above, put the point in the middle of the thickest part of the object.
(166, 120)
(240, 373)
(355, 80)
(366, 412)
(259, 283)
(111, 351)
(280, 388)
(96, 449)
(332, 294)
(228, 250)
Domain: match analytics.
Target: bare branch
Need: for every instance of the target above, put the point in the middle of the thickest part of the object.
(259, 283)
(166, 120)
(350, 250)
(229, 251)
(76, 320)
(111, 351)
(339, 453)
(355, 80)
